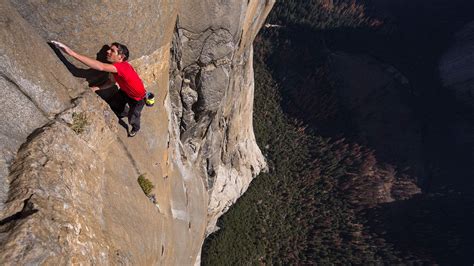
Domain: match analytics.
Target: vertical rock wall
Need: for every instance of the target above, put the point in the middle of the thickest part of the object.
(71, 196)
(211, 92)
(33, 84)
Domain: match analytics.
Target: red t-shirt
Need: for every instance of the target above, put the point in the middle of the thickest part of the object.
(129, 81)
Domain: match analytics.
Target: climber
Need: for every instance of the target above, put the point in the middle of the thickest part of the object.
(132, 90)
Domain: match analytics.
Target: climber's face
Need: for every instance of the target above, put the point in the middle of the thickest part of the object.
(113, 55)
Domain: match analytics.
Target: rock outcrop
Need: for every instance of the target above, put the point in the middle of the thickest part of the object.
(68, 172)
(211, 94)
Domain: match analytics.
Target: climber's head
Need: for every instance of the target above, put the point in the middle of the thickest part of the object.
(117, 53)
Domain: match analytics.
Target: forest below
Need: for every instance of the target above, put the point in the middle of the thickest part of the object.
(371, 178)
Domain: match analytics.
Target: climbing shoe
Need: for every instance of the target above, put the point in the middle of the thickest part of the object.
(132, 133)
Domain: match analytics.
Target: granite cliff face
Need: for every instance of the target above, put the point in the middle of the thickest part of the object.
(68, 171)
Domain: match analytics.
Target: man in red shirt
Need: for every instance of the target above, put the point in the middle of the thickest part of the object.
(131, 86)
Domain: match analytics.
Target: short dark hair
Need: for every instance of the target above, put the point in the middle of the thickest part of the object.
(122, 49)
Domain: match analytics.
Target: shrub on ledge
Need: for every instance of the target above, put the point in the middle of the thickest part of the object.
(146, 185)
(79, 122)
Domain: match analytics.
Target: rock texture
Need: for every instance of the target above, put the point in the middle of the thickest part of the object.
(68, 172)
(34, 88)
(87, 25)
(211, 92)
(56, 186)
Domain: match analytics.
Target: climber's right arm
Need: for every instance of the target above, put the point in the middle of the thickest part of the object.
(92, 63)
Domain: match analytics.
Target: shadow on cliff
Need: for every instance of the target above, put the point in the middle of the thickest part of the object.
(93, 77)
(307, 71)
(435, 225)
(412, 41)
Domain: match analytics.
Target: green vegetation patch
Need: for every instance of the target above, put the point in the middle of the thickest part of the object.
(321, 14)
(79, 122)
(146, 185)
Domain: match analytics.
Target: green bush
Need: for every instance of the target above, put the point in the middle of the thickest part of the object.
(145, 183)
(79, 122)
